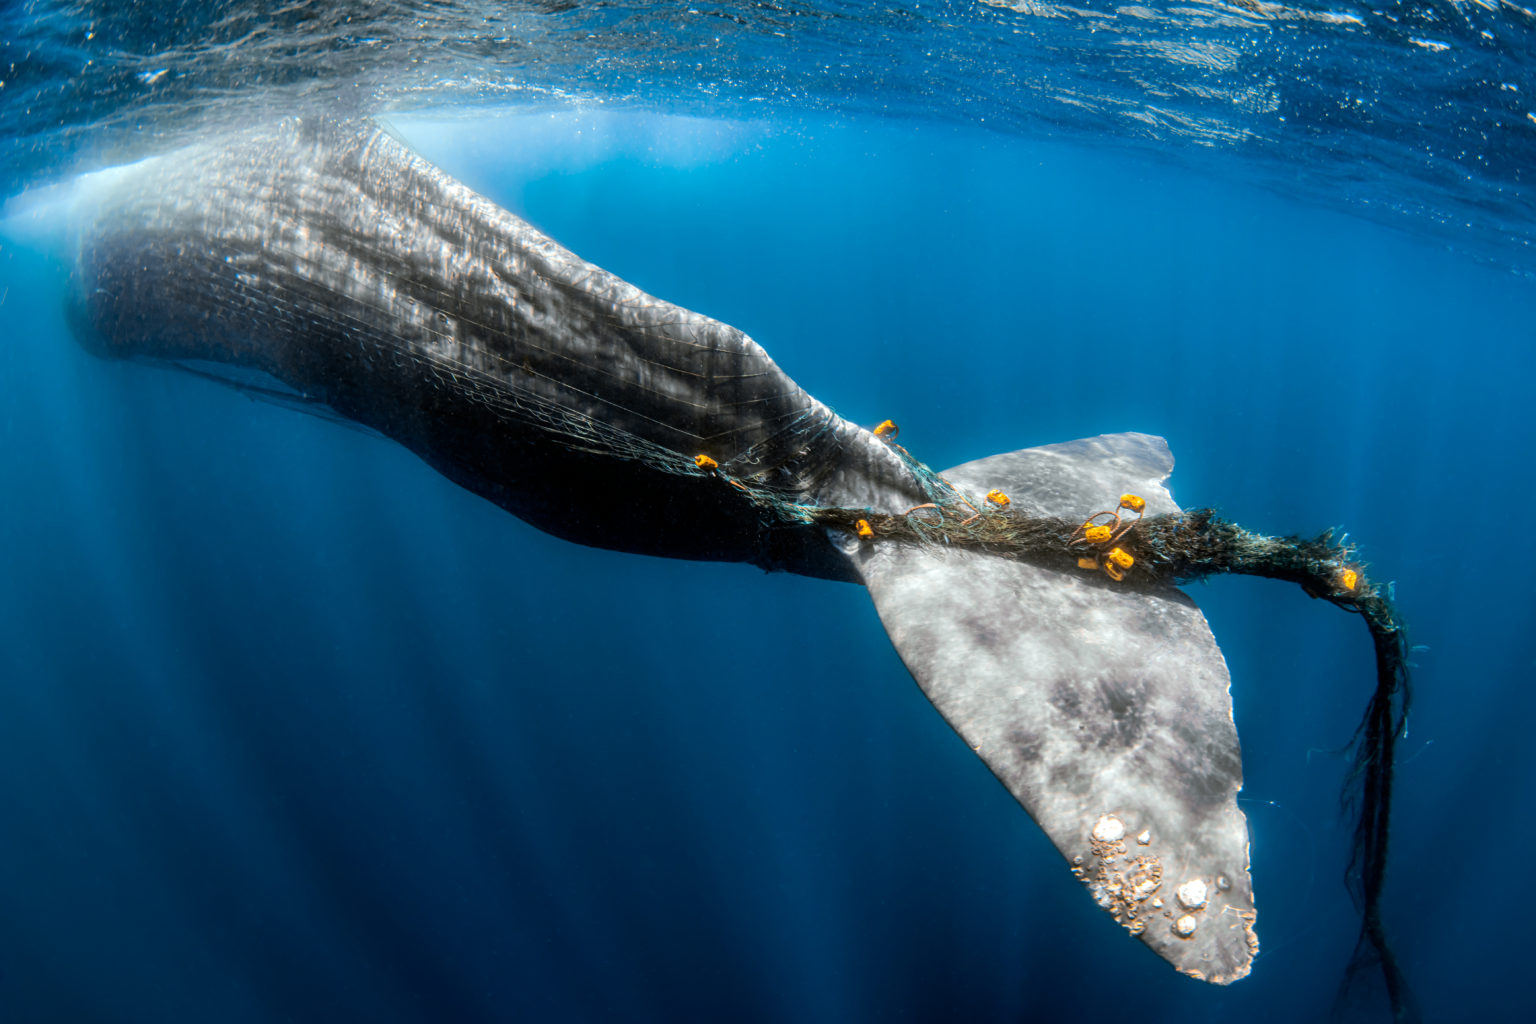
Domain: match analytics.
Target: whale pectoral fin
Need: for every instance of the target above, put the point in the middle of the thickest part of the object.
(1105, 710)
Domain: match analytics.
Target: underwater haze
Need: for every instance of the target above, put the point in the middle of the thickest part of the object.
(291, 728)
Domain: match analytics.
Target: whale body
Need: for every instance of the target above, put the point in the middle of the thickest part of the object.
(328, 258)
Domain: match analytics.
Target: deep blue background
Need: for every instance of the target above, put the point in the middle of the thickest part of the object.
(291, 728)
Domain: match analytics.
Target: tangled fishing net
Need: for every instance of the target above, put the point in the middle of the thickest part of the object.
(1162, 549)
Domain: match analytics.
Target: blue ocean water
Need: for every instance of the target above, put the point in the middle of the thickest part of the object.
(293, 729)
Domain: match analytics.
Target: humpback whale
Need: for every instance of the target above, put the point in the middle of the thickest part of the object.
(1033, 595)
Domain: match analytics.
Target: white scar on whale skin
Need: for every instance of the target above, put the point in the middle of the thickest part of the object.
(334, 261)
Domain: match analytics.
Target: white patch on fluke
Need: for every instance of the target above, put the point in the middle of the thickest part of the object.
(1108, 829)
(1192, 894)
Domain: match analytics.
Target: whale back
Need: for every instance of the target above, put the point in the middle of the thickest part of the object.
(329, 256)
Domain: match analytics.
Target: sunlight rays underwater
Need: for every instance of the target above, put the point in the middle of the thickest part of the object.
(293, 727)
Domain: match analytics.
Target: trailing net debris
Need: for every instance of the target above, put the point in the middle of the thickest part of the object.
(1157, 550)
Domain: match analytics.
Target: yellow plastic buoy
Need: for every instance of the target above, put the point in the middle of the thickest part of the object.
(863, 527)
(1117, 561)
(1349, 579)
(1096, 534)
(705, 462)
(887, 429)
(997, 498)
(1134, 502)
(1088, 563)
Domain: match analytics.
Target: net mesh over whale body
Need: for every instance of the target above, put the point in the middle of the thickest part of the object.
(481, 304)
(329, 256)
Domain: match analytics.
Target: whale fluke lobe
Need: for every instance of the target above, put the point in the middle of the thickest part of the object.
(329, 259)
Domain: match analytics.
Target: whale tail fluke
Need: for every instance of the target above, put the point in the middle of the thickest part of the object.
(1104, 709)
(1055, 642)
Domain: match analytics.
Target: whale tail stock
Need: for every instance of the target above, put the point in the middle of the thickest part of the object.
(347, 270)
